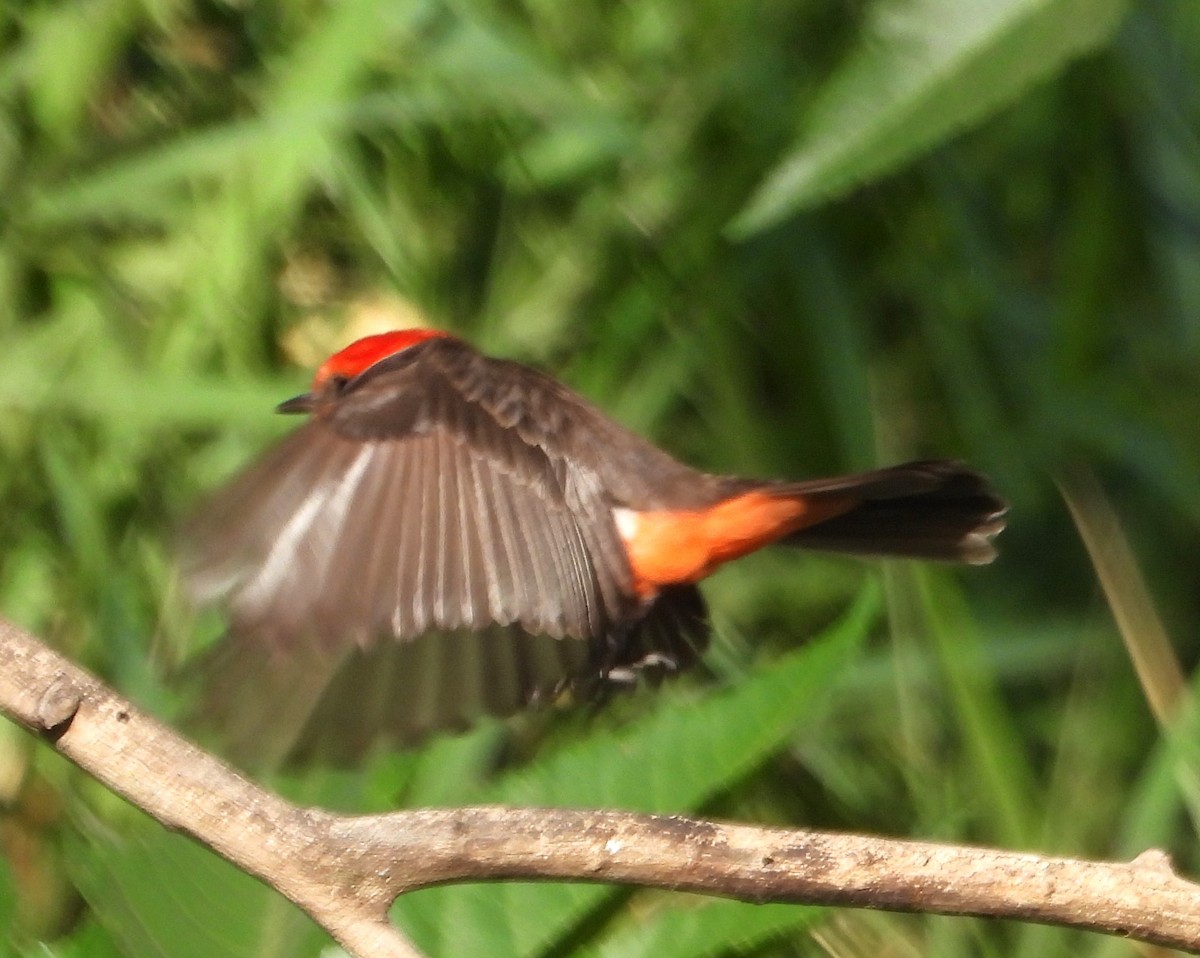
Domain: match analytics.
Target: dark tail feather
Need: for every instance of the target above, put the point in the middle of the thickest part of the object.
(934, 509)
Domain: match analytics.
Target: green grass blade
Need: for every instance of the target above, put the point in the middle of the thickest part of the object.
(924, 70)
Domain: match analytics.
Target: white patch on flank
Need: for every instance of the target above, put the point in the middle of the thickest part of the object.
(627, 523)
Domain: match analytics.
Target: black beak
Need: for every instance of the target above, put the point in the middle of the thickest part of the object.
(297, 404)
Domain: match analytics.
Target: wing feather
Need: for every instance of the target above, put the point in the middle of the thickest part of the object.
(346, 596)
(433, 509)
(496, 564)
(467, 592)
(375, 591)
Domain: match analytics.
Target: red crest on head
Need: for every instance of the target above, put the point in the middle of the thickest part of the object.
(364, 353)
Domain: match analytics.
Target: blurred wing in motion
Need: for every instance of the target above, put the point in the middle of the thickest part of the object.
(335, 704)
(436, 510)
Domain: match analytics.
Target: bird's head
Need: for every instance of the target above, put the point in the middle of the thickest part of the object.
(353, 361)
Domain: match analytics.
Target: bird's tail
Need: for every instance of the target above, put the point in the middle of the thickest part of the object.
(935, 509)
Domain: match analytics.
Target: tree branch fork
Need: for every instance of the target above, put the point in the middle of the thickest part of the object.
(346, 871)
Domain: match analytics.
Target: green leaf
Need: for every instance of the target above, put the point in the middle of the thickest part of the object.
(987, 726)
(710, 928)
(671, 762)
(923, 71)
(70, 50)
(568, 151)
(8, 900)
(164, 896)
(686, 751)
(88, 940)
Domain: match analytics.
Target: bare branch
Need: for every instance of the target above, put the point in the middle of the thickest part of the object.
(346, 871)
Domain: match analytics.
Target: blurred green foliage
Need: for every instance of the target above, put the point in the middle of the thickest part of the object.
(783, 238)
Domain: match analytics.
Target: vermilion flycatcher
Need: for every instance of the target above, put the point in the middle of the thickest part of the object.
(486, 538)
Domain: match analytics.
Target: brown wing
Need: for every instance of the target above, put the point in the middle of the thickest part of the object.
(439, 489)
(507, 409)
(341, 541)
(335, 705)
(437, 503)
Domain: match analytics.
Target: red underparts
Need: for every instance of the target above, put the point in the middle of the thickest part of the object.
(671, 547)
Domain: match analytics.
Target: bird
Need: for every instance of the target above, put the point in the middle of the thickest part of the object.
(450, 535)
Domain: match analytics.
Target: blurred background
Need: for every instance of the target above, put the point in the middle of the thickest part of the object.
(785, 238)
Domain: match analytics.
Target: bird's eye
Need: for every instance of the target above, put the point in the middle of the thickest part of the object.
(337, 384)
